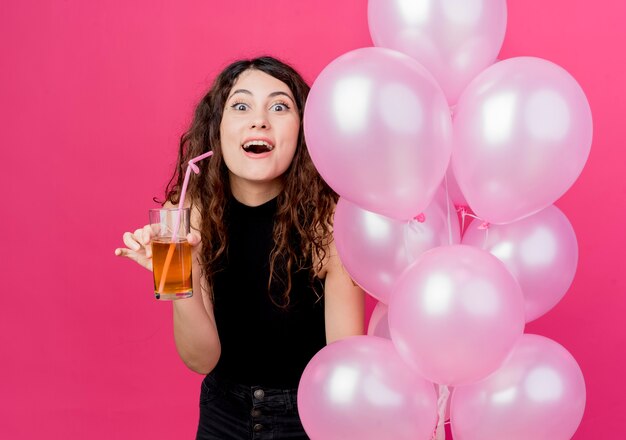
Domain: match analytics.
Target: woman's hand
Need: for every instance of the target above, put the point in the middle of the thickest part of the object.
(139, 249)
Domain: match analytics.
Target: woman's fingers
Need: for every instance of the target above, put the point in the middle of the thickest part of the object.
(193, 238)
(135, 256)
(123, 252)
(146, 239)
(138, 236)
(138, 247)
(131, 241)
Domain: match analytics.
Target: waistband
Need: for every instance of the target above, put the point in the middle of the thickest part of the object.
(254, 393)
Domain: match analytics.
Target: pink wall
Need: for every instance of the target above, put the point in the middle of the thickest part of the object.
(94, 96)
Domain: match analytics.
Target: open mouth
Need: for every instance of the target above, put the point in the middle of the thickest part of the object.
(257, 147)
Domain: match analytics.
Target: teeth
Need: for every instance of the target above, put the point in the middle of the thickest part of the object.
(270, 147)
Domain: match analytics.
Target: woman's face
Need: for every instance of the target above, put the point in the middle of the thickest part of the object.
(259, 129)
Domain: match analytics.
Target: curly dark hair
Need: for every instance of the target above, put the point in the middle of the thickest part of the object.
(305, 204)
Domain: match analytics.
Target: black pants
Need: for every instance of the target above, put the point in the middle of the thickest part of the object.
(230, 411)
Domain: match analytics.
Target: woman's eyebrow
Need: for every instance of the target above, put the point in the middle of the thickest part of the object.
(247, 92)
(271, 95)
(278, 93)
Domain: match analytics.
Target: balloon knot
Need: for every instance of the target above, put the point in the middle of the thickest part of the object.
(420, 218)
(484, 225)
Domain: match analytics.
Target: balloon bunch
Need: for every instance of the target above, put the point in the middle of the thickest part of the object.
(405, 132)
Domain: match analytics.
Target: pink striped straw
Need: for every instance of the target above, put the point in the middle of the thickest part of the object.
(181, 203)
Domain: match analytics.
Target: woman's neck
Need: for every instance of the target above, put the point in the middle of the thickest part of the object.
(254, 193)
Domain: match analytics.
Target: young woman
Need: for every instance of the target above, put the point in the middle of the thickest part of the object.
(269, 288)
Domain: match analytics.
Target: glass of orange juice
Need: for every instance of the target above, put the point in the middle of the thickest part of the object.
(171, 253)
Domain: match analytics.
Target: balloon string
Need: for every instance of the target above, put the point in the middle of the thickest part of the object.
(409, 257)
(463, 211)
(486, 238)
(442, 402)
(445, 184)
(484, 225)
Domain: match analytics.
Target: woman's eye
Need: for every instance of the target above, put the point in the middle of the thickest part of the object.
(281, 107)
(239, 106)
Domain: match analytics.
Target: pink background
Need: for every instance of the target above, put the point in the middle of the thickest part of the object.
(94, 97)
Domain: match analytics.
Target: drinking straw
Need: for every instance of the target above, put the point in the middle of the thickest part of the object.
(181, 203)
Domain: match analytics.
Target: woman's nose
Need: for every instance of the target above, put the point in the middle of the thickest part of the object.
(259, 120)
